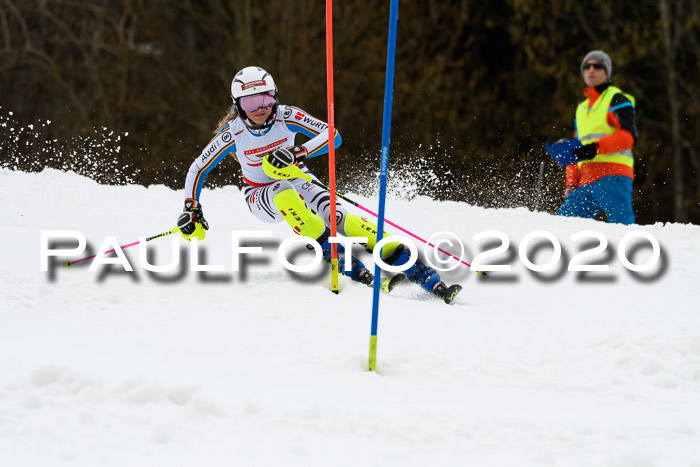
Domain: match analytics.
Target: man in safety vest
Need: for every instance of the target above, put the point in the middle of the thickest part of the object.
(601, 178)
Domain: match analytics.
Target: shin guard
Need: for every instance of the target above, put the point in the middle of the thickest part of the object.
(299, 217)
(356, 226)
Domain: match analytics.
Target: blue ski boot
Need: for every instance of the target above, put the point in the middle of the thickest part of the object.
(358, 272)
(423, 275)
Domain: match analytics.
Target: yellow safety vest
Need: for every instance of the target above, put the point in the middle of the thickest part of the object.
(592, 124)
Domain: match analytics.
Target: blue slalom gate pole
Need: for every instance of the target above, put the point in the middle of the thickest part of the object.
(384, 169)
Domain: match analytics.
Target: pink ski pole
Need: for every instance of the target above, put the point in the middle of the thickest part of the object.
(358, 205)
(70, 263)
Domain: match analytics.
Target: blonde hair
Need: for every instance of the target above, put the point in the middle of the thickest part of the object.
(230, 114)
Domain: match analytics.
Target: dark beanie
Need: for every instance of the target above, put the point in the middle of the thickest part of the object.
(602, 58)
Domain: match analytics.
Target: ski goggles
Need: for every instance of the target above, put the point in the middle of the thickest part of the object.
(264, 100)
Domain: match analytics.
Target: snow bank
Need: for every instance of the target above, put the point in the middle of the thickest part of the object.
(559, 368)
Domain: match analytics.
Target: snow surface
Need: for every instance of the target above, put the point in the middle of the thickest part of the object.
(561, 368)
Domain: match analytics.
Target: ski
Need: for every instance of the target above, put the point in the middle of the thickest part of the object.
(451, 293)
(388, 283)
(448, 294)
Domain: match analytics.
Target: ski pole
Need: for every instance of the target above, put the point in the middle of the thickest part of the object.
(70, 263)
(543, 158)
(358, 205)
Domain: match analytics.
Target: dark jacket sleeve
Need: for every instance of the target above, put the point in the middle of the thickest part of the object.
(621, 116)
(624, 112)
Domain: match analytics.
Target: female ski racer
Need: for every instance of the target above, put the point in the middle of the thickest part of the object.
(256, 126)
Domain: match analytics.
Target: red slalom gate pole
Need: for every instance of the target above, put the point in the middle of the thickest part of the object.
(331, 141)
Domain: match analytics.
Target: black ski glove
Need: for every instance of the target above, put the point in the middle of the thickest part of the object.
(585, 152)
(282, 158)
(191, 215)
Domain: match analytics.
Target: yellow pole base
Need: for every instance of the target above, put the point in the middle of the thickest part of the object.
(334, 276)
(372, 353)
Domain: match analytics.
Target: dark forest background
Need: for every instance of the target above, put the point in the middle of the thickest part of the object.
(129, 91)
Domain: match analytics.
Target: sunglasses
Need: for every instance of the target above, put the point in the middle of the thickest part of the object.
(597, 66)
(266, 100)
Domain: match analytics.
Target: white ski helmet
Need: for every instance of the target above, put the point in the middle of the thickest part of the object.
(250, 81)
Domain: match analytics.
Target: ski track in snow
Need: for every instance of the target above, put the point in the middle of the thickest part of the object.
(118, 368)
